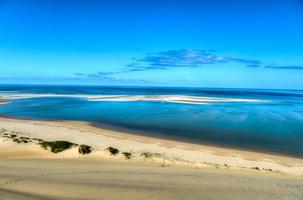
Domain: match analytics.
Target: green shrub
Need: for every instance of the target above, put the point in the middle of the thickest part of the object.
(127, 155)
(57, 146)
(24, 139)
(113, 150)
(16, 140)
(37, 139)
(150, 155)
(84, 149)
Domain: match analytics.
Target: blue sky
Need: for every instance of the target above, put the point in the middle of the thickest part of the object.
(206, 43)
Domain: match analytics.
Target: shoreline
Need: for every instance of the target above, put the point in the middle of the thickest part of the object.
(182, 139)
(130, 133)
(174, 152)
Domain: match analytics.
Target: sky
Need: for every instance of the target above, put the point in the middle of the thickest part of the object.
(180, 43)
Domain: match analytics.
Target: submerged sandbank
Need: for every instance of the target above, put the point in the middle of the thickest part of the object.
(183, 99)
(3, 102)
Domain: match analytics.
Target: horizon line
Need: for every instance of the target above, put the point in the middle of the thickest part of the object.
(141, 86)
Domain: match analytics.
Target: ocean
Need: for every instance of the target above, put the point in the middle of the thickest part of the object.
(253, 119)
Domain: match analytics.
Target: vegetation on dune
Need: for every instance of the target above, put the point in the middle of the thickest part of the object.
(256, 168)
(57, 146)
(127, 155)
(113, 150)
(21, 139)
(24, 139)
(14, 137)
(84, 149)
(151, 155)
(53, 146)
(37, 139)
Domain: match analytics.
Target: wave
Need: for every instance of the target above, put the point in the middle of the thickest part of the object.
(157, 98)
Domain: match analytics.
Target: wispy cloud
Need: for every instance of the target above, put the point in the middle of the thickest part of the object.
(79, 74)
(98, 75)
(185, 58)
(182, 58)
(193, 58)
(284, 67)
(253, 65)
(107, 76)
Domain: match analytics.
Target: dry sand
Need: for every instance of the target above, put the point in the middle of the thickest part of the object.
(85, 179)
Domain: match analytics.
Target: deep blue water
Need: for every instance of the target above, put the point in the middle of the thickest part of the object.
(275, 125)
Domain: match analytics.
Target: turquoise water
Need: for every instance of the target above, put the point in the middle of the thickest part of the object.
(274, 123)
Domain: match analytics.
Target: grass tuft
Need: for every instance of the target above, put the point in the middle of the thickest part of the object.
(113, 150)
(127, 155)
(151, 155)
(84, 149)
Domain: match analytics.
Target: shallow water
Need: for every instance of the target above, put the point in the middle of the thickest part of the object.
(274, 123)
